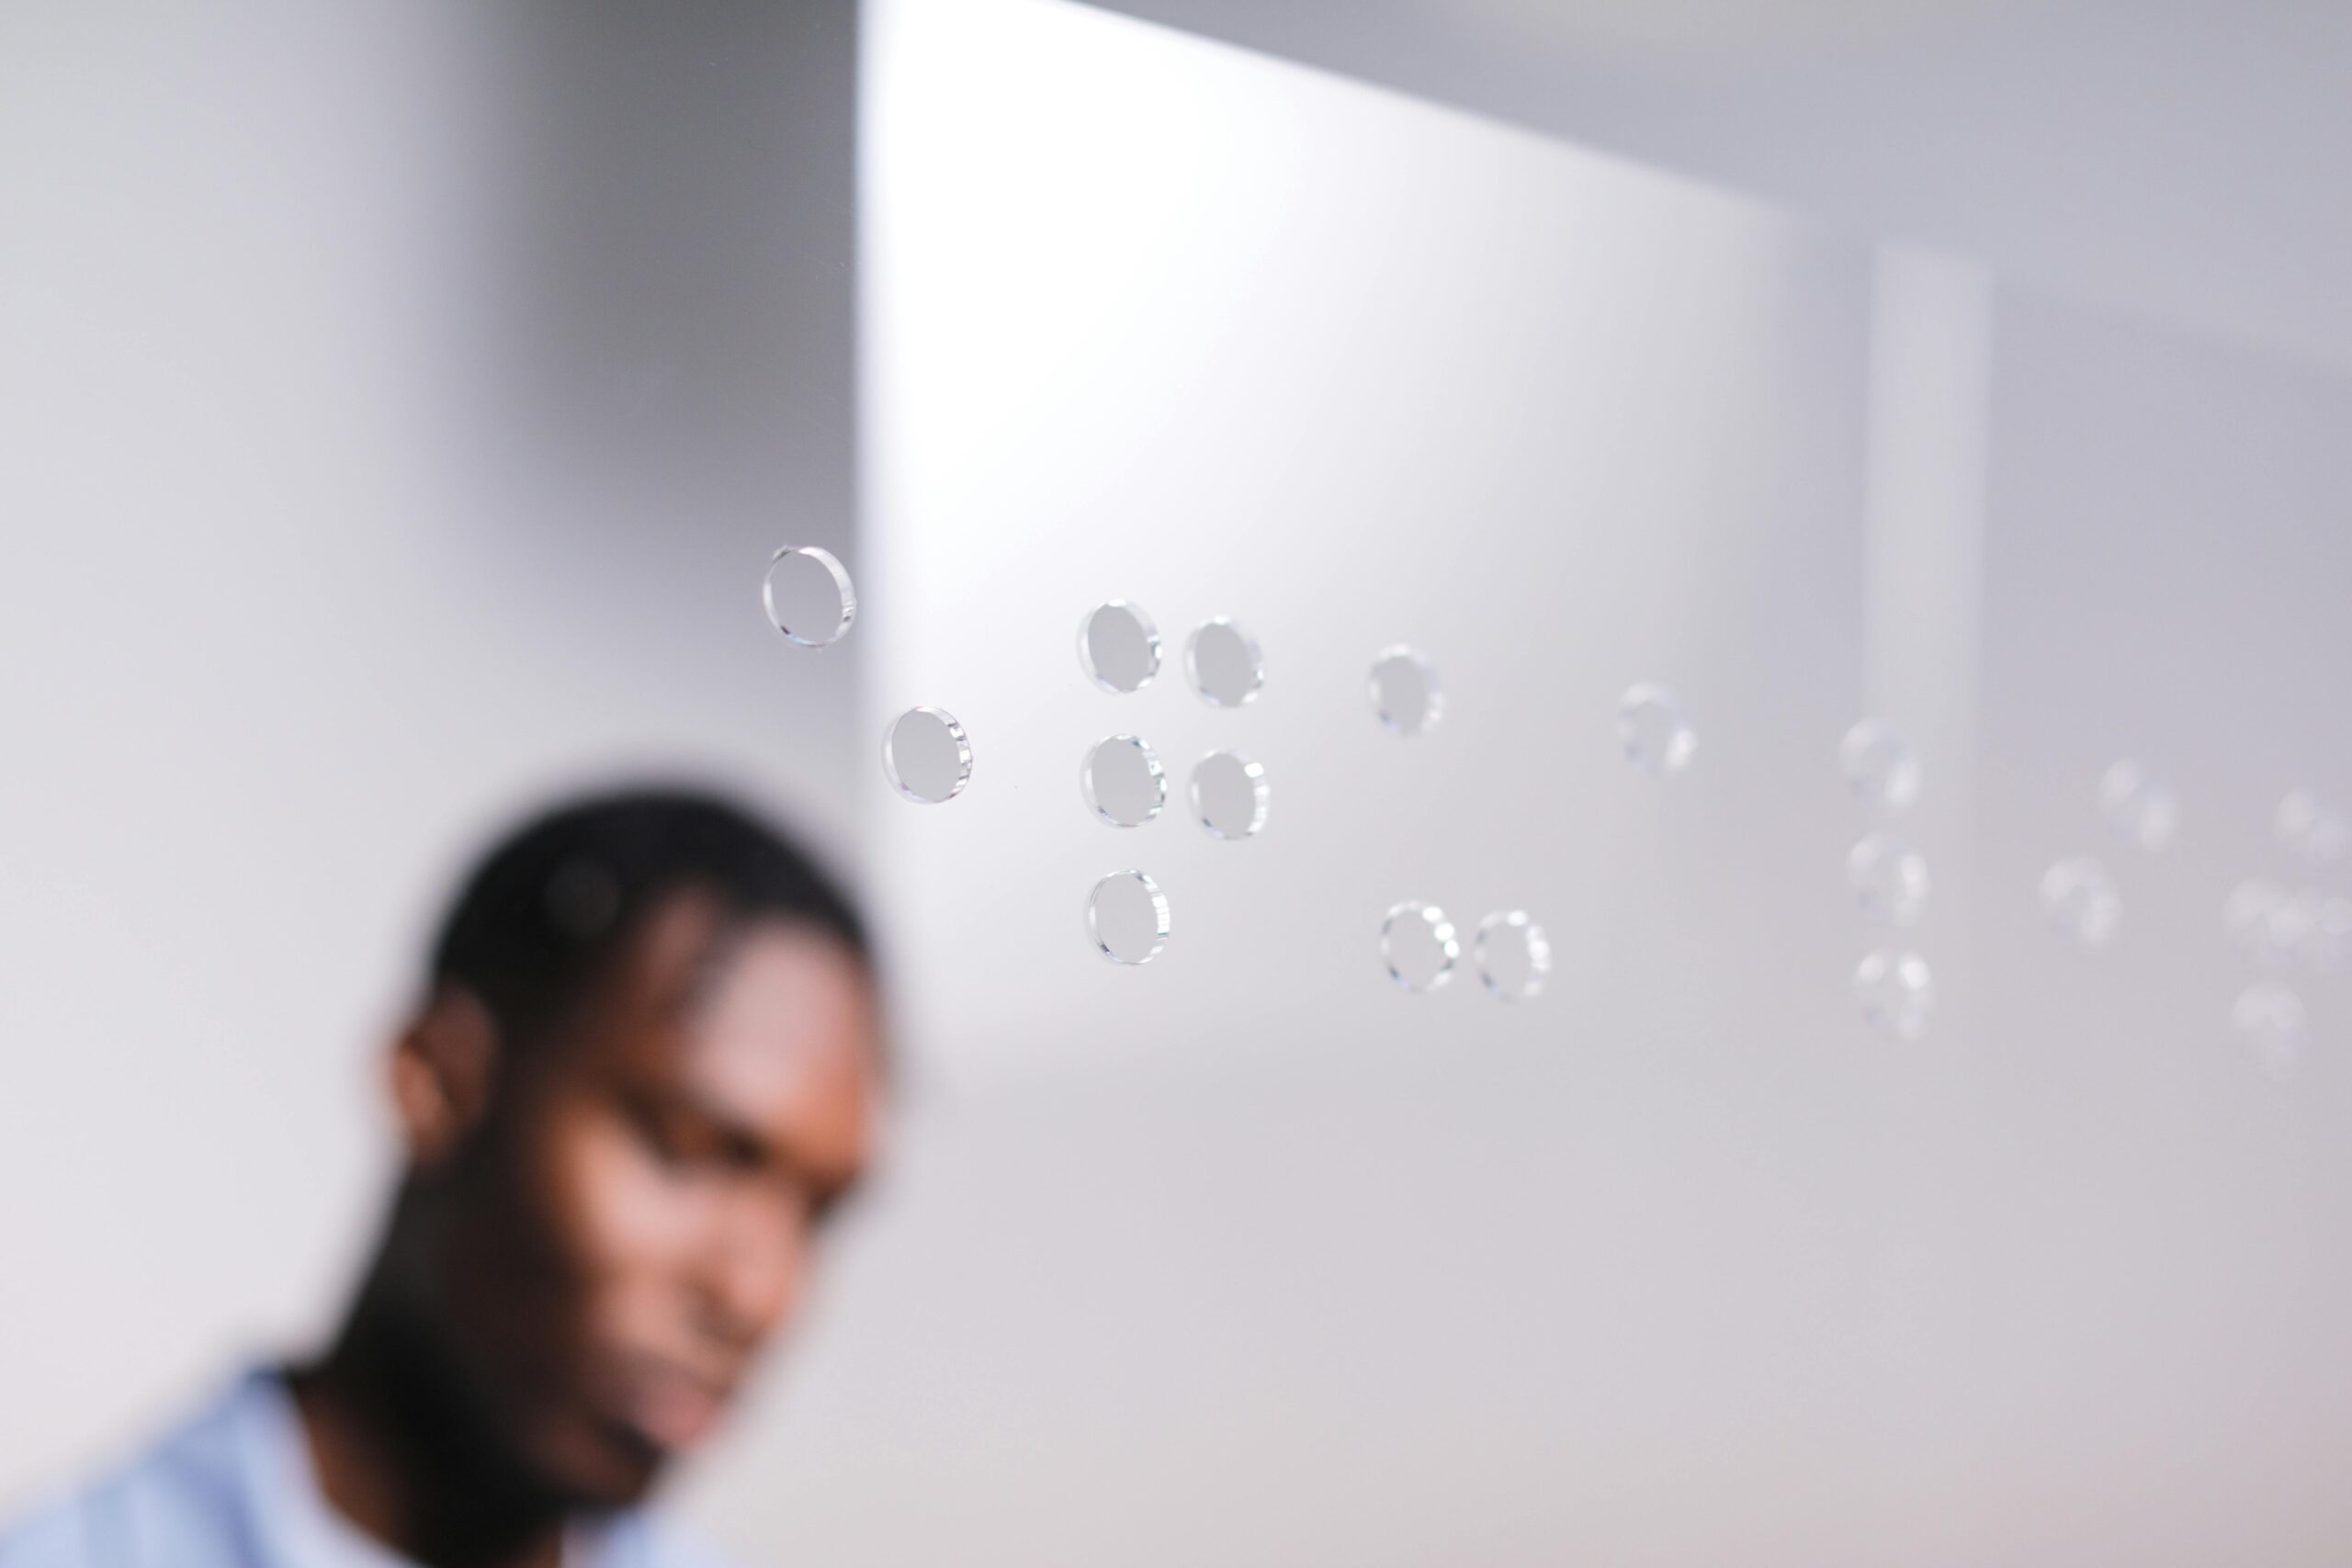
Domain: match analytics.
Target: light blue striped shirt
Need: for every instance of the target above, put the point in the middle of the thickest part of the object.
(234, 1488)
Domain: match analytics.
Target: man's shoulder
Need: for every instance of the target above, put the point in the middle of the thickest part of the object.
(144, 1513)
(647, 1539)
(192, 1500)
(51, 1537)
(179, 1497)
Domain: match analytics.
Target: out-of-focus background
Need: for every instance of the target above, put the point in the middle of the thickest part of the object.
(399, 403)
(402, 404)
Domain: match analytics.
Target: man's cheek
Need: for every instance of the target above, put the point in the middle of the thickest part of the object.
(621, 1210)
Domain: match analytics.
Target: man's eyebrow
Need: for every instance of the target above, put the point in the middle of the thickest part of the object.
(745, 1138)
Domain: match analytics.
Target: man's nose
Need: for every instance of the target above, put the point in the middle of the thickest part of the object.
(751, 1268)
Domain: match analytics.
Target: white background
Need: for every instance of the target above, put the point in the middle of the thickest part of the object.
(399, 406)
(1681, 1264)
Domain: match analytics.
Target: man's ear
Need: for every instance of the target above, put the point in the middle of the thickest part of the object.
(442, 1068)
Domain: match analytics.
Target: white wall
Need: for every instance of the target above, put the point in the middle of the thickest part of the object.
(437, 385)
(2180, 159)
(1256, 1259)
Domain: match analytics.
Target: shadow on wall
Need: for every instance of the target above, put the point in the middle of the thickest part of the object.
(674, 217)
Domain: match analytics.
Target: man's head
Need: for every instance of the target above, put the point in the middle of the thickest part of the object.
(645, 1070)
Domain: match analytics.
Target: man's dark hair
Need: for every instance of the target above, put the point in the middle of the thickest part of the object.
(551, 905)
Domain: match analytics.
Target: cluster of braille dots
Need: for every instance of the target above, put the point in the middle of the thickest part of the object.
(2077, 892)
(927, 758)
(1893, 984)
(2286, 933)
(1120, 780)
(1420, 944)
(2282, 934)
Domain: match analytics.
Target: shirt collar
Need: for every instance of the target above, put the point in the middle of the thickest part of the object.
(293, 1525)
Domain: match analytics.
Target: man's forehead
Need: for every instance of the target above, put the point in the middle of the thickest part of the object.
(779, 999)
(690, 960)
(768, 1022)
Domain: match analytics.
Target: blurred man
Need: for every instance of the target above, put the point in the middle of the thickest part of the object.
(643, 1070)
